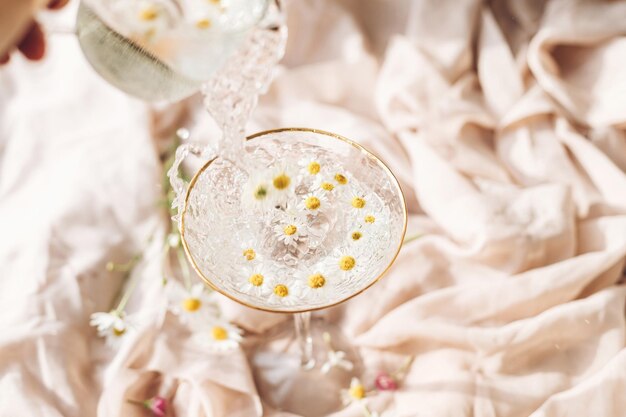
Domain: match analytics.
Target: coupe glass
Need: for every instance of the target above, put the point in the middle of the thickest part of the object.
(300, 220)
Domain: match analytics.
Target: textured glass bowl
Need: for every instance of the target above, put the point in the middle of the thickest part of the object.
(303, 220)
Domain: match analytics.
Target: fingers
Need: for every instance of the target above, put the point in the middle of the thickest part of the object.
(33, 45)
(57, 4)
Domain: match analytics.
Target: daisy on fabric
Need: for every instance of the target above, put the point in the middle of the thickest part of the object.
(190, 304)
(335, 358)
(220, 336)
(355, 393)
(113, 326)
(285, 291)
(255, 281)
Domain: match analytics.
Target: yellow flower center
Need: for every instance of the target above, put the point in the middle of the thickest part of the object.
(290, 230)
(282, 181)
(118, 332)
(281, 290)
(256, 280)
(250, 254)
(260, 192)
(314, 168)
(341, 179)
(191, 304)
(312, 203)
(327, 186)
(357, 392)
(317, 281)
(370, 219)
(347, 263)
(358, 202)
(214, 1)
(203, 24)
(356, 235)
(148, 13)
(219, 333)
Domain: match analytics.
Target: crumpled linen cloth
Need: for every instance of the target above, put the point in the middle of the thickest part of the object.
(505, 123)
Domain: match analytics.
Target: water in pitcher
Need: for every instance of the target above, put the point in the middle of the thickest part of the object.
(163, 50)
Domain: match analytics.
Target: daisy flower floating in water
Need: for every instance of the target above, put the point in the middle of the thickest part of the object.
(324, 186)
(285, 292)
(249, 251)
(255, 281)
(310, 166)
(314, 284)
(192, 305)
(283, 182)
(258, 193)
(312, 203)
(113, 326)
(220, 336)
(290, 228)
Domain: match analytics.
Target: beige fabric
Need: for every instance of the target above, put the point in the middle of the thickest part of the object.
(506, 127)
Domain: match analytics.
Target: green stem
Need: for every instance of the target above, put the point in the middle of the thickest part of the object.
(184, 268)
(400, 373)
(135, 402)
(412, 238)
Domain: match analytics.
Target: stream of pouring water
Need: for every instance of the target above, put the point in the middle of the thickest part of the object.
(232, 93)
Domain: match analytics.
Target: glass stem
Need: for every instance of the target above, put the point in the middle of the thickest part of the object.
(304, 339)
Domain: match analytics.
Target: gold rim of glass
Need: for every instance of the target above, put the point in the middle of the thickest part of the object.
(209, 282)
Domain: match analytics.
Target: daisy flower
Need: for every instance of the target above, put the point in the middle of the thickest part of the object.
(220, 336)
(191, 305)
(372, 219)
(310, 166)
(113, 326)
(255, 281)
(360, 201)
(343, 260)
(325, 186)
(290, 228)
(248, 251)
(258, 193)
(311, 203)
(355, 235)
(355, 393)
(284, 291)
(315, 284)
(146, 19)
(282, 179)
(336, 359)
(340, 178)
